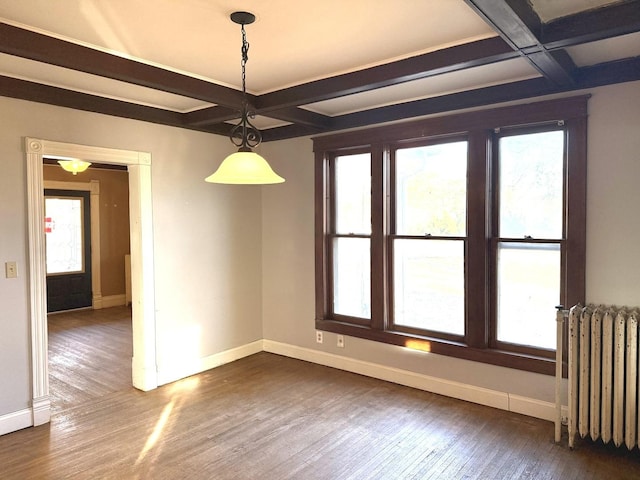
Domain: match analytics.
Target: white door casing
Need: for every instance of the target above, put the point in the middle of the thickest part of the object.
(144, 371)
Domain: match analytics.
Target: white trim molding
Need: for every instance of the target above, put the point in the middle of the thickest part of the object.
(171, 372)
(470, 393)
(14, 421)
(144, 375)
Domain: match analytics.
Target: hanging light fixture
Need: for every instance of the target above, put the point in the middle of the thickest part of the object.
(245, 166)
(74, 165)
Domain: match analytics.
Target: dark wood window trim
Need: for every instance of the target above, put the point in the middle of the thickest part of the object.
(478, 128)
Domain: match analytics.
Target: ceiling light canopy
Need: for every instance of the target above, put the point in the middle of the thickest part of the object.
(245, 167)
(74, 166)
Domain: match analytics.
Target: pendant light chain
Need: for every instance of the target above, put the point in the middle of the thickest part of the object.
(245, 57)
(244, 134)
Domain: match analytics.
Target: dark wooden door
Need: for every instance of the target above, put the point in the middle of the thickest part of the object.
(68, 249)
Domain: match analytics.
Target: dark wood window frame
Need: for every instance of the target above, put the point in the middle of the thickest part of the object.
(478, 128)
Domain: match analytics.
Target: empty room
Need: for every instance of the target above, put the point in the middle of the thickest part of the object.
(332, 240)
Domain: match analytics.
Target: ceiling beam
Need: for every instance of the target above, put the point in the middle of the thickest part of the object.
(300, 116)
(446, 60)
(43, 48)
(520, 27)
(587, 77)
(211, 115)
(541, 44)
(592, 25)
(37, 92)
(618, 71)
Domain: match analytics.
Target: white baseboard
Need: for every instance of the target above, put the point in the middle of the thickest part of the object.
(171, 373)
(15, 421)
(113, 301)
(40, 413)
(483, 396)
(41, 410)
(144, 376)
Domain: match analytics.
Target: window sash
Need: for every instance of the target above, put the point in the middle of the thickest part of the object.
(520, 317)
(441, 295)
(495, 340)
(351, 277)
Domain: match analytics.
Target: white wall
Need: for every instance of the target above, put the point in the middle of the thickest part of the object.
(613, 254)
(613, 196)
(206, 241)
(15, 386)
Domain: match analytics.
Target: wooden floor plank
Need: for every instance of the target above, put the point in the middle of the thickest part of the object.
(270, 417)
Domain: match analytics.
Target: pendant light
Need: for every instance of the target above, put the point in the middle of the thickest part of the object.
(245, 167)
(74, 166)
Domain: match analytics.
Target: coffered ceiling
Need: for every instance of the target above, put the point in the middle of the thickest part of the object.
(314, 66)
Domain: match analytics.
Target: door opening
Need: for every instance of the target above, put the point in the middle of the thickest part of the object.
(144, 369)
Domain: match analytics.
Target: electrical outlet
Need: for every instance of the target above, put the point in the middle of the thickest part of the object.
(564, 420)
(318, 337)
(340, 341)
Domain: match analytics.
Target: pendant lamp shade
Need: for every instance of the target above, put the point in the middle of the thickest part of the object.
(74, 166)
(244, 168)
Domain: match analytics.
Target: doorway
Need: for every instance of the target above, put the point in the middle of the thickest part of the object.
(67, 218)
(144, 371)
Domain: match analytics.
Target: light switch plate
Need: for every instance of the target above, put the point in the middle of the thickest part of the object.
(11, 269)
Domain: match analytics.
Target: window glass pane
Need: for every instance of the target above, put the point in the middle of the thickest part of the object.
(531, 178)
(431, 186)
(353, 194)
(352, 277)
(528, 291)
(429, 284)
(64, 235)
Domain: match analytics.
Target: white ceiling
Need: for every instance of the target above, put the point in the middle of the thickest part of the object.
(292, 42)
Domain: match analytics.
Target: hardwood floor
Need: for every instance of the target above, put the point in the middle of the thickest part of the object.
(271, 417)
(89, 355)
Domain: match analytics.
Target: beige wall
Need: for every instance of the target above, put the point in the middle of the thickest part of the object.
(114, 220)
(234, 264)
(206, 239)
(613, 254)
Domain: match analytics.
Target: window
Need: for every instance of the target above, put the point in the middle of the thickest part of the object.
(429, 237)
(64, 240)
(530, 182)
(461, 233)
(351, 236)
